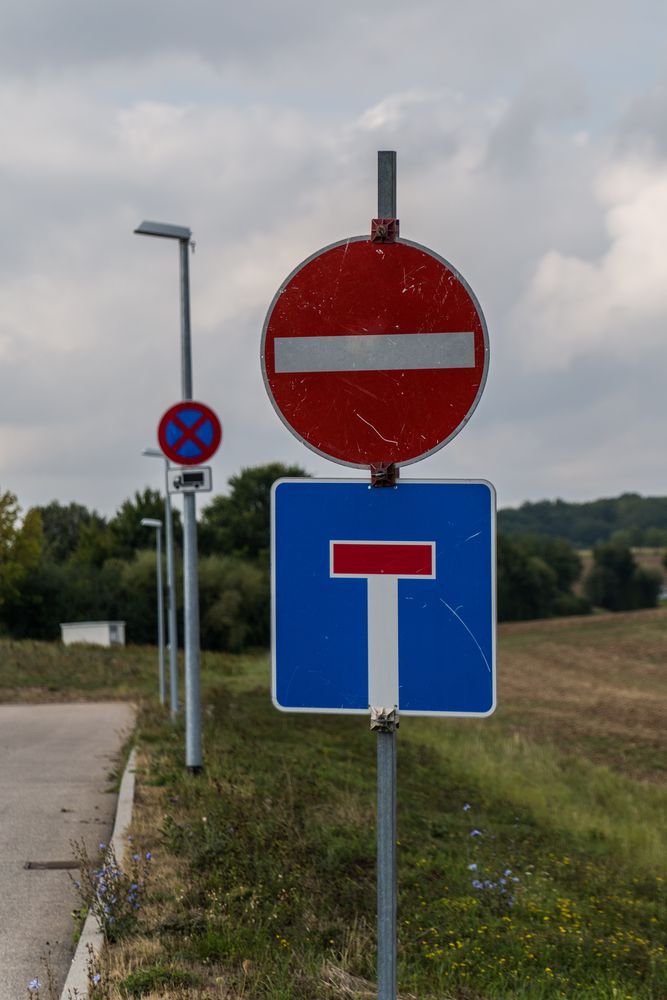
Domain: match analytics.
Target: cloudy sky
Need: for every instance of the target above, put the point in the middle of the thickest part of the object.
(532, 152)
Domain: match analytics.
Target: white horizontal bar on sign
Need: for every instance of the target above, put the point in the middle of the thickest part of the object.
(374, 352)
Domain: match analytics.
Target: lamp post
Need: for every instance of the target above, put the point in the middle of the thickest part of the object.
(172, 626)
(151, 522)
(193, 750)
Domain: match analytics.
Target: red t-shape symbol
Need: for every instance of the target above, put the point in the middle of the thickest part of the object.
(382, 564)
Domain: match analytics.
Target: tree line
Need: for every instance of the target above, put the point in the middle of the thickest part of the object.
(66, 563)
(630, 520)
(541, 577)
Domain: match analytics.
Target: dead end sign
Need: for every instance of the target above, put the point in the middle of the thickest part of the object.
(383, 596)
(375, 352)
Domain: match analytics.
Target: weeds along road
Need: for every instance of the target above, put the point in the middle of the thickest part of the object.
(54, 788)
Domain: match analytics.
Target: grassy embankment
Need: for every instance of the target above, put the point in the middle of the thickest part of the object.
(264, 879)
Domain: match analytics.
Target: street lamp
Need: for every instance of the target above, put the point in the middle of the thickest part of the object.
(151, 522)
(184, 236)
(172, 626)
(193, 750)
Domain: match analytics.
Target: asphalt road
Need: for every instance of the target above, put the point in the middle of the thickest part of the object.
(54, 763)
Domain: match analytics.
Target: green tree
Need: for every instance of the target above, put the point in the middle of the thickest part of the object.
(235, 603)
(617, 583)
(96, 544)
(630, 519)
(63, 525)
(527, 586)
(20, 545)
(132, 594)
(239, 524)
(648, 584)
(655, 538)
(127, 534)
(556, 553)
(535, 578)
(42, 603)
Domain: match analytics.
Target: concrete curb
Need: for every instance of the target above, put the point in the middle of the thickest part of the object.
(76, 984)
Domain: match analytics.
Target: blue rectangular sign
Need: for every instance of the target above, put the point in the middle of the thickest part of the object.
(383, 596)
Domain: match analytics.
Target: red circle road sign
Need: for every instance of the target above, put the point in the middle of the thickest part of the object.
(189, 433)
(374, 352)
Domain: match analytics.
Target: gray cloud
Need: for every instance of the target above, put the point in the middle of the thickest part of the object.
(643, 125)
(258, 127)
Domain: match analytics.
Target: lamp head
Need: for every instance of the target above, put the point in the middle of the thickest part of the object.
(164, 229)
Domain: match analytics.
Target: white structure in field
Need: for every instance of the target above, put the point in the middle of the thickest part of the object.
(96, 633)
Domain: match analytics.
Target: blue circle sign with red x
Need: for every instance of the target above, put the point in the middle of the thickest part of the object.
(189, 433)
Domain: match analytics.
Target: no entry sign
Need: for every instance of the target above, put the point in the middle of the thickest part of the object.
(374, 352)
(189, 433)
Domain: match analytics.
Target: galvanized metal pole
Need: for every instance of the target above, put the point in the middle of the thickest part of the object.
(386, 862)
(172, 625)
(387, 184)
(186, 340)
(386, 732)
(160, 616)
(193, 749)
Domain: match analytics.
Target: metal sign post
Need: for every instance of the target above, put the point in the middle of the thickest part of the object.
(152, 522)
(171, 585)
(190, 432)
(384, 718)
(193, 750)
(384, 724)
(171, 600)
(375, 354)
(383, 600)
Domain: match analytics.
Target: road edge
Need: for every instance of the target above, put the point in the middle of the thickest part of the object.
(76, 984)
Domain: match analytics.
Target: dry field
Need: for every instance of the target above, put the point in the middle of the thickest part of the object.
(594, 686)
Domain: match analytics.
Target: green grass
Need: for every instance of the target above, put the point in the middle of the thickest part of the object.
(42, 671)
(147, 980)
(278, 838)
(34, 671)
(266, 861)
(589, 801)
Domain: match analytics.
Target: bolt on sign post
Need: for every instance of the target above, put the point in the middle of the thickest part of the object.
(375, 354)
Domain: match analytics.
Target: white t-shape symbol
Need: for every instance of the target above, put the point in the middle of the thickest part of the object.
(382, 564)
